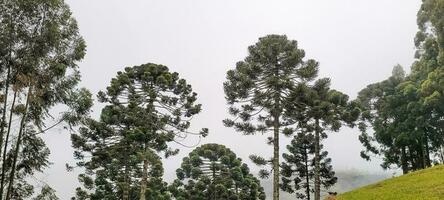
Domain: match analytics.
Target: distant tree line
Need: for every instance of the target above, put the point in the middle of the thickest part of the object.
(403, 116)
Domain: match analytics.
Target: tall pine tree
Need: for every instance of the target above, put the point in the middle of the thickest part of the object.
(317, 108)
(259, 86)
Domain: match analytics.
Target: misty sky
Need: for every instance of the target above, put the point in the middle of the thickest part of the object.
(357, 42)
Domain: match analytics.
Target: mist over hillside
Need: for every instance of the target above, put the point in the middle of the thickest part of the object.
(347, 180)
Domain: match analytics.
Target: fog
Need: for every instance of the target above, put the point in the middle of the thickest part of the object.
(356, 42)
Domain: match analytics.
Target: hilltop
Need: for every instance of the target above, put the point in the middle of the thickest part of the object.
(423, 184)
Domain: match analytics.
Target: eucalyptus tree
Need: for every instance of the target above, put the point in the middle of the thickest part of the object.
(406, 112)
(405, 131)
(214, 172)
(428, 70)
(299, 165)
(47, 193)
(146, 108)
(40, 46)
(317, 108)
(385, 111)
(259, 86)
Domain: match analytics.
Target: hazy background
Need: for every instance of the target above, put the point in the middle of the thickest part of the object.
(357, 42)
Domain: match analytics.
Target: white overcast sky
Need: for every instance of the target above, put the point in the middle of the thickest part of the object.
(357, 42)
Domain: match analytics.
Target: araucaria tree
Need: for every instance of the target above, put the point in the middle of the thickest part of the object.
(39, 49)
(214, 172)
(259, 86)
(317, 108)
(299, 165)
(147, 107)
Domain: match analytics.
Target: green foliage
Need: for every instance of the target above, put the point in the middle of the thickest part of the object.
(32, 158)
(114, 168)
(428, 71)
(42, 53)
(213, 171)
(319, 102)
(391, 110)
(47, 193)
(260, 84)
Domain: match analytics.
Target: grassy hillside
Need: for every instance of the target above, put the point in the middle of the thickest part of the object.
(347, 180)
(426, 184)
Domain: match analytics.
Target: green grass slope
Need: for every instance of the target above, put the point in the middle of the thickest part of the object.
(425, 184)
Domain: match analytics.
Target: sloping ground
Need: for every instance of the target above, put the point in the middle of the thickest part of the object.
(425, 184)
(347, 180)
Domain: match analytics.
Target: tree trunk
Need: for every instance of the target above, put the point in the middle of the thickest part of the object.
(422, 158)
(3, 124)
(412, 159)
(307, 178)
(18, 143)
(125, 195)
(126, 187)
(144, 181)
(276, 158)
(5, 103)
(213, 169)
(2, 184)
(404, 164)
(317, 162)
(427, 152)
(441, 154)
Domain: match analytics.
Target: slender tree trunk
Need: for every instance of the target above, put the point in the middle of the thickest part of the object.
(427, 152)
(5, 148)
(5, 103)
(213, 169)
(412, 159)
(276, 113)
(3, 123)
(404, 165)
(126, 187)
(317, 162)
(17, 146)
(422, 155)
(276, 158)
(144, 181)
(307, 178)
(441, 153)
